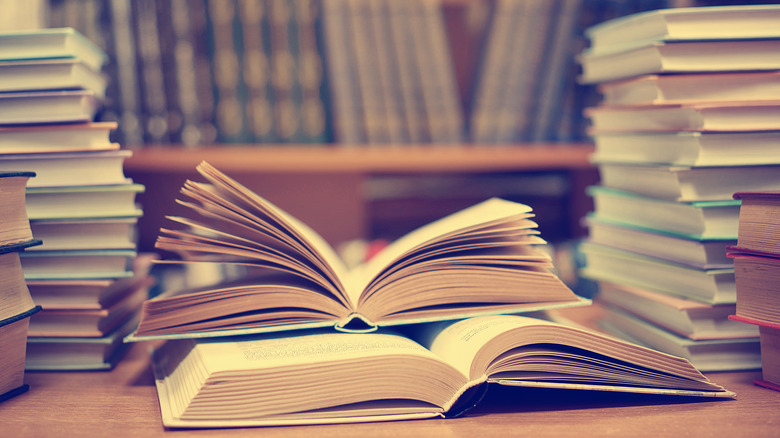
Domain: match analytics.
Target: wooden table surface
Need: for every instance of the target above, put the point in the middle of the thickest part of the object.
(123, 402)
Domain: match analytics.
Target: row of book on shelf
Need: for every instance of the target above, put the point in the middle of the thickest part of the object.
(72, 277)
(345, 71)
(687, 119)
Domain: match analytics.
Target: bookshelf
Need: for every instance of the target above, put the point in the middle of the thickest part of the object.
(323, 186)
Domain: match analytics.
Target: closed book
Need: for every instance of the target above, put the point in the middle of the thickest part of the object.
(104, 201)
(738, 22)
(681, 57)
(703, 219)
(684, 317)
(14, 222)
(51, 43)
(36, 107)
(759, 221)
(757, 276)
(688, 183)
(51, 74)
(76, 137)
(710, 355)
(676, 247)
(693, 116)
(710, 286)
(688, 148)
(57, 169)
(745, 87)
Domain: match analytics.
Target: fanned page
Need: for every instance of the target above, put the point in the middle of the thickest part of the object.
(522, 351)
(251, 381)
(484, 259)
(237, 225)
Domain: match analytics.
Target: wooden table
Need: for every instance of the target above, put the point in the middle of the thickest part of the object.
(123, 402)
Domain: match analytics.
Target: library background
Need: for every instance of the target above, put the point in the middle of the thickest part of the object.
(367, 119)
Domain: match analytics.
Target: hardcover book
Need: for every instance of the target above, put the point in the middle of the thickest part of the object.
(688, 148)
(50, 74)
(694, 87)
(32, 139)
(707, 355)
(759, 221)
(740, 22)
(484, 259)
(704, 117)
(54, 43)
(349, 377)
(702, 219)
(686, 183)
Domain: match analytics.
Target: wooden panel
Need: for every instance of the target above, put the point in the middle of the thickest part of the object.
(331, 204)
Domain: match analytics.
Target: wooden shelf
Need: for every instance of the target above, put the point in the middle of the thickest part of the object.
(323, 185)
(363, 159)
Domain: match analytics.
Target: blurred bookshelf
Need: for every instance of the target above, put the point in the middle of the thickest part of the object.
(354, 193)
(395, 112)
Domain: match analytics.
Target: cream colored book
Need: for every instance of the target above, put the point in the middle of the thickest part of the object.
(482, 260)
(348, 377)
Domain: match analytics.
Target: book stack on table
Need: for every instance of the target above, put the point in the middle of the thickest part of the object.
(757, 271)
(420, 330)
(16, 304)
(688, 117)
(80, 204)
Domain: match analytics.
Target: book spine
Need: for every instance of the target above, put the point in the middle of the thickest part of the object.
(153, 102)
(412, 130)
(168, 43)
(385, 71)
(226, 64)
(283, 71)
(442, 77)
(256, 68)
(345, 98)
(552, 82)
(183, 74)
(130, 127)
(310, 73)
(422, 91)
(204, 84)
(500, 53)
(373, 109)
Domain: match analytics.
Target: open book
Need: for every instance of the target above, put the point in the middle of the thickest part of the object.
(328, 377)
(481, 260)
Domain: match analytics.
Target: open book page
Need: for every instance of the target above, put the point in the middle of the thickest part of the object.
(482, 214)
(516, 348)
(239, 224)
(257, 377)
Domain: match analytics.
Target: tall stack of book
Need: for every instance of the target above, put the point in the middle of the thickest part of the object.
(757, 271)
(688, 117)
(79, 204)
(16, 304)
(418, 331)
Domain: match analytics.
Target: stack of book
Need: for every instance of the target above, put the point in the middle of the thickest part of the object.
(418, 331)
(757, 270)
(79, 204)
(688, 117)
(16, 304)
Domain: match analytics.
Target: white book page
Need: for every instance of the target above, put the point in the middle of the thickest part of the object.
(484, 212)
(459, 343)
(314, 350)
